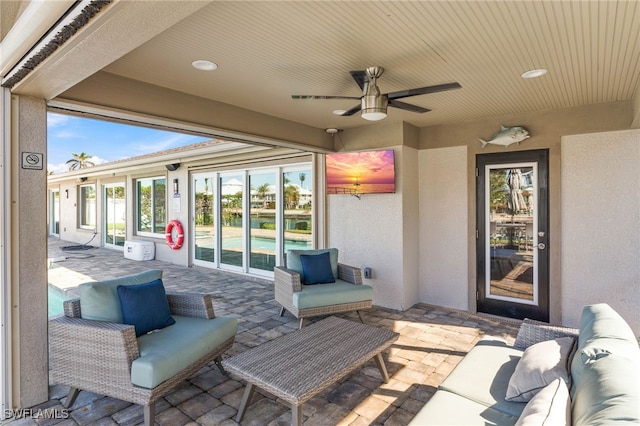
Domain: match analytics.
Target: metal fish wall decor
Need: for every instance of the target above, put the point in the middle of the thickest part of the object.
(507, 136)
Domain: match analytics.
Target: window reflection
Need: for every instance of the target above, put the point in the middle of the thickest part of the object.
(511, 232)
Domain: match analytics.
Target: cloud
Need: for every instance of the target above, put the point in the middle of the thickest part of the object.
(64, 167)
(167, 141)
(56, 120)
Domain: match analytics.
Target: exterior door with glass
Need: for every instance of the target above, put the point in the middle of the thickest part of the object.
(513, 234)
(54, 212)
(115, 215)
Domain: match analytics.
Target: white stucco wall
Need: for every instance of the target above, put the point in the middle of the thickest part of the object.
(600, 214)
(443, 227)
(368, 232)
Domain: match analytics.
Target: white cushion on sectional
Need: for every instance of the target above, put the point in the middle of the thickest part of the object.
(540, 364)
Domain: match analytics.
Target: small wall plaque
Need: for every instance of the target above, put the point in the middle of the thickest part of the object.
(32, 160)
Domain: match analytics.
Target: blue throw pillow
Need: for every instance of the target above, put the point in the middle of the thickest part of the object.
(316, 268)
(145, 306)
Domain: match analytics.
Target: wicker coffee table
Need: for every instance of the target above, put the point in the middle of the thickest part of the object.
(302, 364)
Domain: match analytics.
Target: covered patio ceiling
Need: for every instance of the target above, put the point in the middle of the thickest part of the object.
(142, 51)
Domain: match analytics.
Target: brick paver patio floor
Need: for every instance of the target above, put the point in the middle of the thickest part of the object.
(432, 341)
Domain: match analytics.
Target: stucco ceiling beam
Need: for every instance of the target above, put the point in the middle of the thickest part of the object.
(116, 30)
(31, 26)
(121, 98)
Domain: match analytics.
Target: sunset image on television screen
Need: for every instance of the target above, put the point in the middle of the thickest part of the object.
(360, 172)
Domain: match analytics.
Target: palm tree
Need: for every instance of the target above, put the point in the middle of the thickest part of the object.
(302, 178)
(291, 196)
(262, 192)
(80, 161)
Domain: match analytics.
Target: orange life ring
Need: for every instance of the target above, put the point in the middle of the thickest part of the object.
(174, 245)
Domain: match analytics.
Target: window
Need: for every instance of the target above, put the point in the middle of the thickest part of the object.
(87, 205)
(151, 195)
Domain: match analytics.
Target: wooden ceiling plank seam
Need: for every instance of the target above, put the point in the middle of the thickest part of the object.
(615, 59)
(539, 58)
(631, 42)
(595, 44)
(585, 31)
(564, 65)
(502, 43)
(475, 50)
(555, 42)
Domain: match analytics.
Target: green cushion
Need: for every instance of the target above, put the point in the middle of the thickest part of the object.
(99, 300)
(549, 407)
(602, 324)
(483, 376)
(446, 408)
(166, 352)
(314, 296)
(540, 365)
(293, 259)
(608, 392)
(605, 369)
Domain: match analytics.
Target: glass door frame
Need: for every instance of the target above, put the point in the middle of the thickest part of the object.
(105, 215)
(277, 172)
(538, 308)
(244, 209)
(213, 177)
(54, 212)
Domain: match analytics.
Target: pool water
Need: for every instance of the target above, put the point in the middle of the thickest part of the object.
(55, 299)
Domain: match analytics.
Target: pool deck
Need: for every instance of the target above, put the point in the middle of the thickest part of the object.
(432, 342)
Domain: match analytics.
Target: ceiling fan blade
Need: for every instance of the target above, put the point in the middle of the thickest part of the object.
(352, 110)
(360, 77)
(322, 97)
(423, 90)
(408, 107)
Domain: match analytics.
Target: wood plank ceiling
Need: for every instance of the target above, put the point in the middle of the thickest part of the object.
(267, 51)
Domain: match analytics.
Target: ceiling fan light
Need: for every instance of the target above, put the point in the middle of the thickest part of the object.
(374, 108)
(374, 115)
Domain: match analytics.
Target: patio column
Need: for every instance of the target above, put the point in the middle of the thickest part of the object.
(27, 250)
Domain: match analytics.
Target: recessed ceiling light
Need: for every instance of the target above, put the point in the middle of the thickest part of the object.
(339, 111)
(203, 65)
(534, 73)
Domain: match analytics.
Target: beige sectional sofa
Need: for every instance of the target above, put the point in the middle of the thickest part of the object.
(552, 375)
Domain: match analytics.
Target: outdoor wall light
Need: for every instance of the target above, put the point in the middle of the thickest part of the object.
(67, 192)
(175, 186)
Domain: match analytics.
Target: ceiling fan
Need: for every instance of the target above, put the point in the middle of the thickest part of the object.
(373, 104)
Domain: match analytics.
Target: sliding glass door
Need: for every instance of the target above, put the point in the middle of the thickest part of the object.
(204, 216)
(262, 229)
(245, 220)
(114, 215)
(231, 229)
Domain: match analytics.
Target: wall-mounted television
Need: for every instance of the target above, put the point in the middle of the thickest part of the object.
(365, 172)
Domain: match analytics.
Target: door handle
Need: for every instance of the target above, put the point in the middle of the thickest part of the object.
(541, 246)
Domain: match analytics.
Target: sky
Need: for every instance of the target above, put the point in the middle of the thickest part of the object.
(104, 141)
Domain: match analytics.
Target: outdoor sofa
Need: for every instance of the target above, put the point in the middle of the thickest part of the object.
(92, 348)
(589, 376)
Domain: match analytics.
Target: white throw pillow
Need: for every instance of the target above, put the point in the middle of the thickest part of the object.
(551, 406)
(540, 364)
